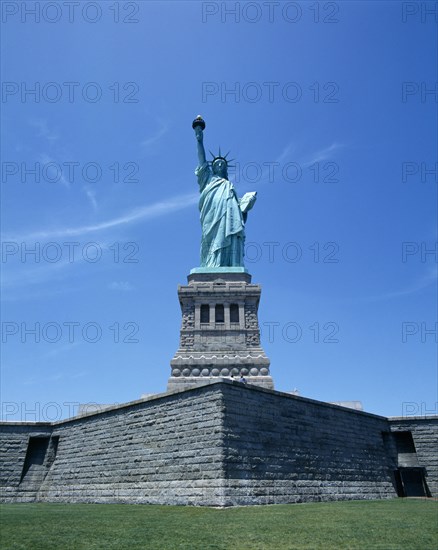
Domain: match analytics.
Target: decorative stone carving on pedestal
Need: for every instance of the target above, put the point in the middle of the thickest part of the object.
(220, 334)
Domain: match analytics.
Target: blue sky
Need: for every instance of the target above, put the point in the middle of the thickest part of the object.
(332, 121)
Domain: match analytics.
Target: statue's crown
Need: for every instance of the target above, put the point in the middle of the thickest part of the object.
(221, 157)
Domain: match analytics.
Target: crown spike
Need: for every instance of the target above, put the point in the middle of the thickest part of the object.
(220, 156)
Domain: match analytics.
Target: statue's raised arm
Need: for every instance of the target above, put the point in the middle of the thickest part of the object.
(199, 127)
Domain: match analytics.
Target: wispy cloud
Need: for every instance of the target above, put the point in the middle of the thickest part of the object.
(290, 154)
(143, 213)
(43, 129)
(286, 153)
(322, 154)
(22, 276)
(91, 196)
(153, 139)
(19, 275)
(52, 168)
(430, 278)
(60, 349)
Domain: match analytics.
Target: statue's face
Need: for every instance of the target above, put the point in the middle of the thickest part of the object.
(220, 168)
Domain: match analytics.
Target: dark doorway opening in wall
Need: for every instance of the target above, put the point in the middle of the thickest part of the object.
(406, 452)
(411, 482)
(36, 453)
(40, 455)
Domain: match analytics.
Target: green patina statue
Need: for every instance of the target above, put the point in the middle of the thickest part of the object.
(223, 215)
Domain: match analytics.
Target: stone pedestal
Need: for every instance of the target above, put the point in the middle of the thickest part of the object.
(220, 334)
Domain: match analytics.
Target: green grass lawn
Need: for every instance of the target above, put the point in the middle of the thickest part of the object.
(386, 524)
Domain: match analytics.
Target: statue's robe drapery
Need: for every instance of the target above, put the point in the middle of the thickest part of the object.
(223, 228)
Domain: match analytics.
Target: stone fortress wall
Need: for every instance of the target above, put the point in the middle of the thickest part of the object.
(220, 444)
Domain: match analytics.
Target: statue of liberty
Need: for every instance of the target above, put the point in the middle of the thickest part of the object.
(223, 215)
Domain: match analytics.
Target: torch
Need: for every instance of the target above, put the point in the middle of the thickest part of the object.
(198, 122)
